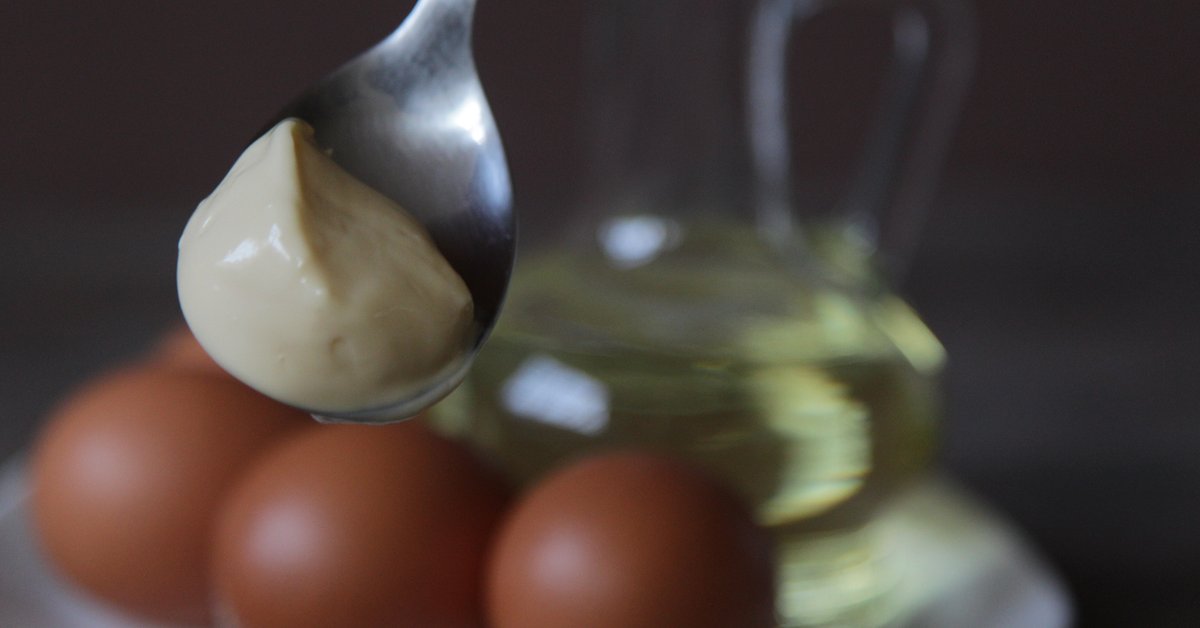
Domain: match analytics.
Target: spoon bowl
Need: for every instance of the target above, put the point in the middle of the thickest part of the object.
(409, 118)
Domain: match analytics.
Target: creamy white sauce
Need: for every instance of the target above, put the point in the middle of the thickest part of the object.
(314, 288)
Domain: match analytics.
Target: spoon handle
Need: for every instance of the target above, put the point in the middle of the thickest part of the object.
(437, 27)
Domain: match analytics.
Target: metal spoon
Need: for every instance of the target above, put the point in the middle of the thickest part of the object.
(409, 118)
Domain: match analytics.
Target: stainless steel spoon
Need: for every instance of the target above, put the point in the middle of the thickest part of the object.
(409, 118)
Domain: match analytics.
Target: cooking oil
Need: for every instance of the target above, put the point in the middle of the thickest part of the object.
(807, 388)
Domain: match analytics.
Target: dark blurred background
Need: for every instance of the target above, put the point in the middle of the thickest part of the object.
(1058, 264)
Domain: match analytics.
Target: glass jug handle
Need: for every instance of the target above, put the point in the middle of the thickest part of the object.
(932, 58)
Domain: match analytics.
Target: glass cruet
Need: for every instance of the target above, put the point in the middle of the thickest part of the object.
(692, 304)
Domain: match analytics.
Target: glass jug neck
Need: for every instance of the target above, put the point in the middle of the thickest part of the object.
(667, 132)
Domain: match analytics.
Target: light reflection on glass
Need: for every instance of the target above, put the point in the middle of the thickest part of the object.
(548, 391)
(632, 241)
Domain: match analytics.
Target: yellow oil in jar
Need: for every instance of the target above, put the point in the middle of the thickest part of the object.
(814, 396)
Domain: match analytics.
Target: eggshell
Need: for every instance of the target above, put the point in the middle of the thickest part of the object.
(359, 525)
(127, 476)
(630, 540)
(178, 348)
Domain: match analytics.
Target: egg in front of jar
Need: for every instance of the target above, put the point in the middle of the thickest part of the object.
(358, 525)
(630, 540)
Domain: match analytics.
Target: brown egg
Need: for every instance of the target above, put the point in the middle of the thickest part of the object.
(127, 478)
(178, 348)
(630, 540)
(358, 525)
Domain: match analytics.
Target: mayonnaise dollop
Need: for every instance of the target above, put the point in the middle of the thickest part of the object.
(315, 289)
